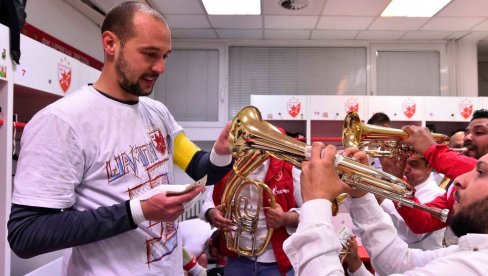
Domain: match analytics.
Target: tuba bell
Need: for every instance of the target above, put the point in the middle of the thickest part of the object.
(384, 140)
(252, 141)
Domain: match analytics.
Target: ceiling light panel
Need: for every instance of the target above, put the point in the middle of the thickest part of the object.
(232, 7)
(414, 8)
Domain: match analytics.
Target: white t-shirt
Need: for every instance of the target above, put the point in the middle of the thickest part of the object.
(195, 233)
(91, 151)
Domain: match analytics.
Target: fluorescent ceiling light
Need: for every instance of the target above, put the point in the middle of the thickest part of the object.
(232, 6)
(414, 8)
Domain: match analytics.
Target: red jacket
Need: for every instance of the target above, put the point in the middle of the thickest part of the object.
(279, 178)
(451, 164)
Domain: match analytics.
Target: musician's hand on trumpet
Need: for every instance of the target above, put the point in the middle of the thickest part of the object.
(319, 179)
(356, 154)
(419, 138)
(361, 157)
(394, 165)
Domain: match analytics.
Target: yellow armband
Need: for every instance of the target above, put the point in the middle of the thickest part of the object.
(184, 150)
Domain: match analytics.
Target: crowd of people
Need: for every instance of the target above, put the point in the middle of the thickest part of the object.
(82, 184)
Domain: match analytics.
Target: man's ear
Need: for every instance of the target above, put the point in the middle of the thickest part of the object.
(110, 42)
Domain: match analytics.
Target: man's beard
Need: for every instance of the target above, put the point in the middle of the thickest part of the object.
(471, 219)
(125, 83)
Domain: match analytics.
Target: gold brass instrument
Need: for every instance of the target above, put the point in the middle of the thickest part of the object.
(240, 210)
(386, 141)
(252, 141)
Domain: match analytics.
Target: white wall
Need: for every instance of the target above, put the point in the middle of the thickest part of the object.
(59, 19)
(468, 68)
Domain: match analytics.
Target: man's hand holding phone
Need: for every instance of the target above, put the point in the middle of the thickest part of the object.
(168, 202)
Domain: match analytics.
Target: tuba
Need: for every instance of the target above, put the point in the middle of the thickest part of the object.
(386, 140)
(252, 141)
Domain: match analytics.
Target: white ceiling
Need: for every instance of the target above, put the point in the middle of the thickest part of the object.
(321, 20)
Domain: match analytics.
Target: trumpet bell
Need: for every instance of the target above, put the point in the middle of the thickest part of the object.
(385, 141)
(249, 131)
(354, 132)
(244, 128)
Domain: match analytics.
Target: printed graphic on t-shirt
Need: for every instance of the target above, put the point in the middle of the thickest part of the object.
(144, 167)
(158, 141)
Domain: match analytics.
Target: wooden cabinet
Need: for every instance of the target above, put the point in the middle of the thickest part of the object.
(287, 112)
(401, 110)
(451, 109)
(449, 114)
(333, 108)
(327, 113)
(273, 108)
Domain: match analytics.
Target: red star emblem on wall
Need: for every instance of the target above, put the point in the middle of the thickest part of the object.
(64, 74)
(294, 109)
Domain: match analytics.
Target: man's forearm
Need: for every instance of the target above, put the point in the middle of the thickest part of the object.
(33, 230)
(353, 264)
(207, 204)
(389, 254)
(314, 248)
(292, 219)
(200, 165)
(452, 164)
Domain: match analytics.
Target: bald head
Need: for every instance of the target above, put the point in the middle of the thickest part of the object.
(457, 140)
(120, 19)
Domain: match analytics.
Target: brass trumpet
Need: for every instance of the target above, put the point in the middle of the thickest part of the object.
(252, 141)
(386, 141)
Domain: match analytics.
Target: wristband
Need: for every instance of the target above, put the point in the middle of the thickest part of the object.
(190, 264)
(136, 211)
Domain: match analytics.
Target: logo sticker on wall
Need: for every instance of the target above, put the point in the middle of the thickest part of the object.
(64, 74)
(466, 108)
(409, 107)
(293, 107)
(351, 105)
